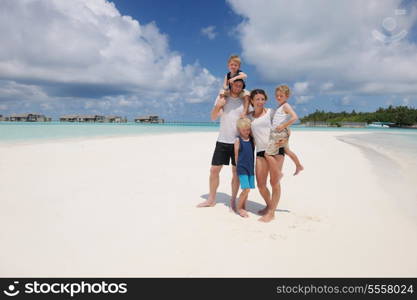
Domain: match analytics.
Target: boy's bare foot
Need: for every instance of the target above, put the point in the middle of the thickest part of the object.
(268, 217)
(243, 213)
(207, 203)
(298, 169)
(263, 211)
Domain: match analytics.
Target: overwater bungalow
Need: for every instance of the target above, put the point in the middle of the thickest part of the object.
(115, 119)
(28, 117)
(149, 119)
(90, 118)
(69, 118)
(81, 118)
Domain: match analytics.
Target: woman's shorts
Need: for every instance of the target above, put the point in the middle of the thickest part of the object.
(223, 154)
(247, 181)
(281, 151)
(274, 137)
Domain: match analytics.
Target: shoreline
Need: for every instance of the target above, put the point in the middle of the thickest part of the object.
(130, 202)
(392, 174)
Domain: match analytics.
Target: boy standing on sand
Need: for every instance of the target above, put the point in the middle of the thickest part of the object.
(244, 155)
(229, 110)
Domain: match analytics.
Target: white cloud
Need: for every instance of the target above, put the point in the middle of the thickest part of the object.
(300, 88)
(329, 44)
(302, 99)
(346, 100)
(11, 90)
(300, 91)
(326, 86)
(209, 31)
(79, 49)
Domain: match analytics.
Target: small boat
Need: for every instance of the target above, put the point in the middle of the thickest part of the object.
(378, 125)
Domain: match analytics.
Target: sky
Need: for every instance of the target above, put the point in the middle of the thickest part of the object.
(168, 58)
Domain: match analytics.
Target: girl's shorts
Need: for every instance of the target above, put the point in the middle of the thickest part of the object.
(247, 181)
(274, 137)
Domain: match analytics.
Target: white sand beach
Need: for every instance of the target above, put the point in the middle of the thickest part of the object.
(125, 206)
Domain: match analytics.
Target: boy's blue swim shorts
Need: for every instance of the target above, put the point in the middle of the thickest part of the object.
(247, 181)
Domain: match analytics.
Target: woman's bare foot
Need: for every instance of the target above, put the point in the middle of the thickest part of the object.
(268, 217)
(243, 213)
(263, 211)
(298, 169)
(207, 203)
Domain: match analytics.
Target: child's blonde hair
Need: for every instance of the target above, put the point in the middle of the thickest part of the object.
(243, 123)
(284, 89)
(234, 58)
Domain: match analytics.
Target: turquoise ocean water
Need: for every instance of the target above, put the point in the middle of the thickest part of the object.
(25, 131)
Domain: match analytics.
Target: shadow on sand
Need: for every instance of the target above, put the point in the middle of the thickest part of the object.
(252, 206)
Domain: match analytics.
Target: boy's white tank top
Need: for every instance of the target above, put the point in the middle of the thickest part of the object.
(280, 117)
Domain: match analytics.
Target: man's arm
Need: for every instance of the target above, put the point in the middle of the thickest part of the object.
(218, 108)
(237, 144)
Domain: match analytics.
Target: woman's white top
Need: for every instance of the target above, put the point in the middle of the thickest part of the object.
(280, 117)
(261, 128)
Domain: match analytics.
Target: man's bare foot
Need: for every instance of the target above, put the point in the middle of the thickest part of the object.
(268, 217)
(298, 169)
(207, 203)
(263, 211)
(233, 204)
(243, 213)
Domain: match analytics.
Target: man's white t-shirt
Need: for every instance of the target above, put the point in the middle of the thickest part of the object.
(231, 113)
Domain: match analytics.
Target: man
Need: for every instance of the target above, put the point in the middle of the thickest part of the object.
(229, 109)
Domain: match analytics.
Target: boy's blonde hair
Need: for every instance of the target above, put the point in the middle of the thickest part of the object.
(284, 89)
(243, 123)
(234, 58)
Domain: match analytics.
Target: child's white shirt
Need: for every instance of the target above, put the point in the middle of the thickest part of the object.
(280, 117)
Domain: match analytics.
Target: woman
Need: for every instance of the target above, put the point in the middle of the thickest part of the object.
(261, 118)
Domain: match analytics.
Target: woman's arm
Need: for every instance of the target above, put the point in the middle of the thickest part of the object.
(237, 144)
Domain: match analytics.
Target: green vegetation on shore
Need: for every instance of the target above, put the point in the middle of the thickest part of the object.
(399, 115)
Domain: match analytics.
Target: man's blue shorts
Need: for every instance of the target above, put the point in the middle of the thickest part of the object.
(247, 181)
